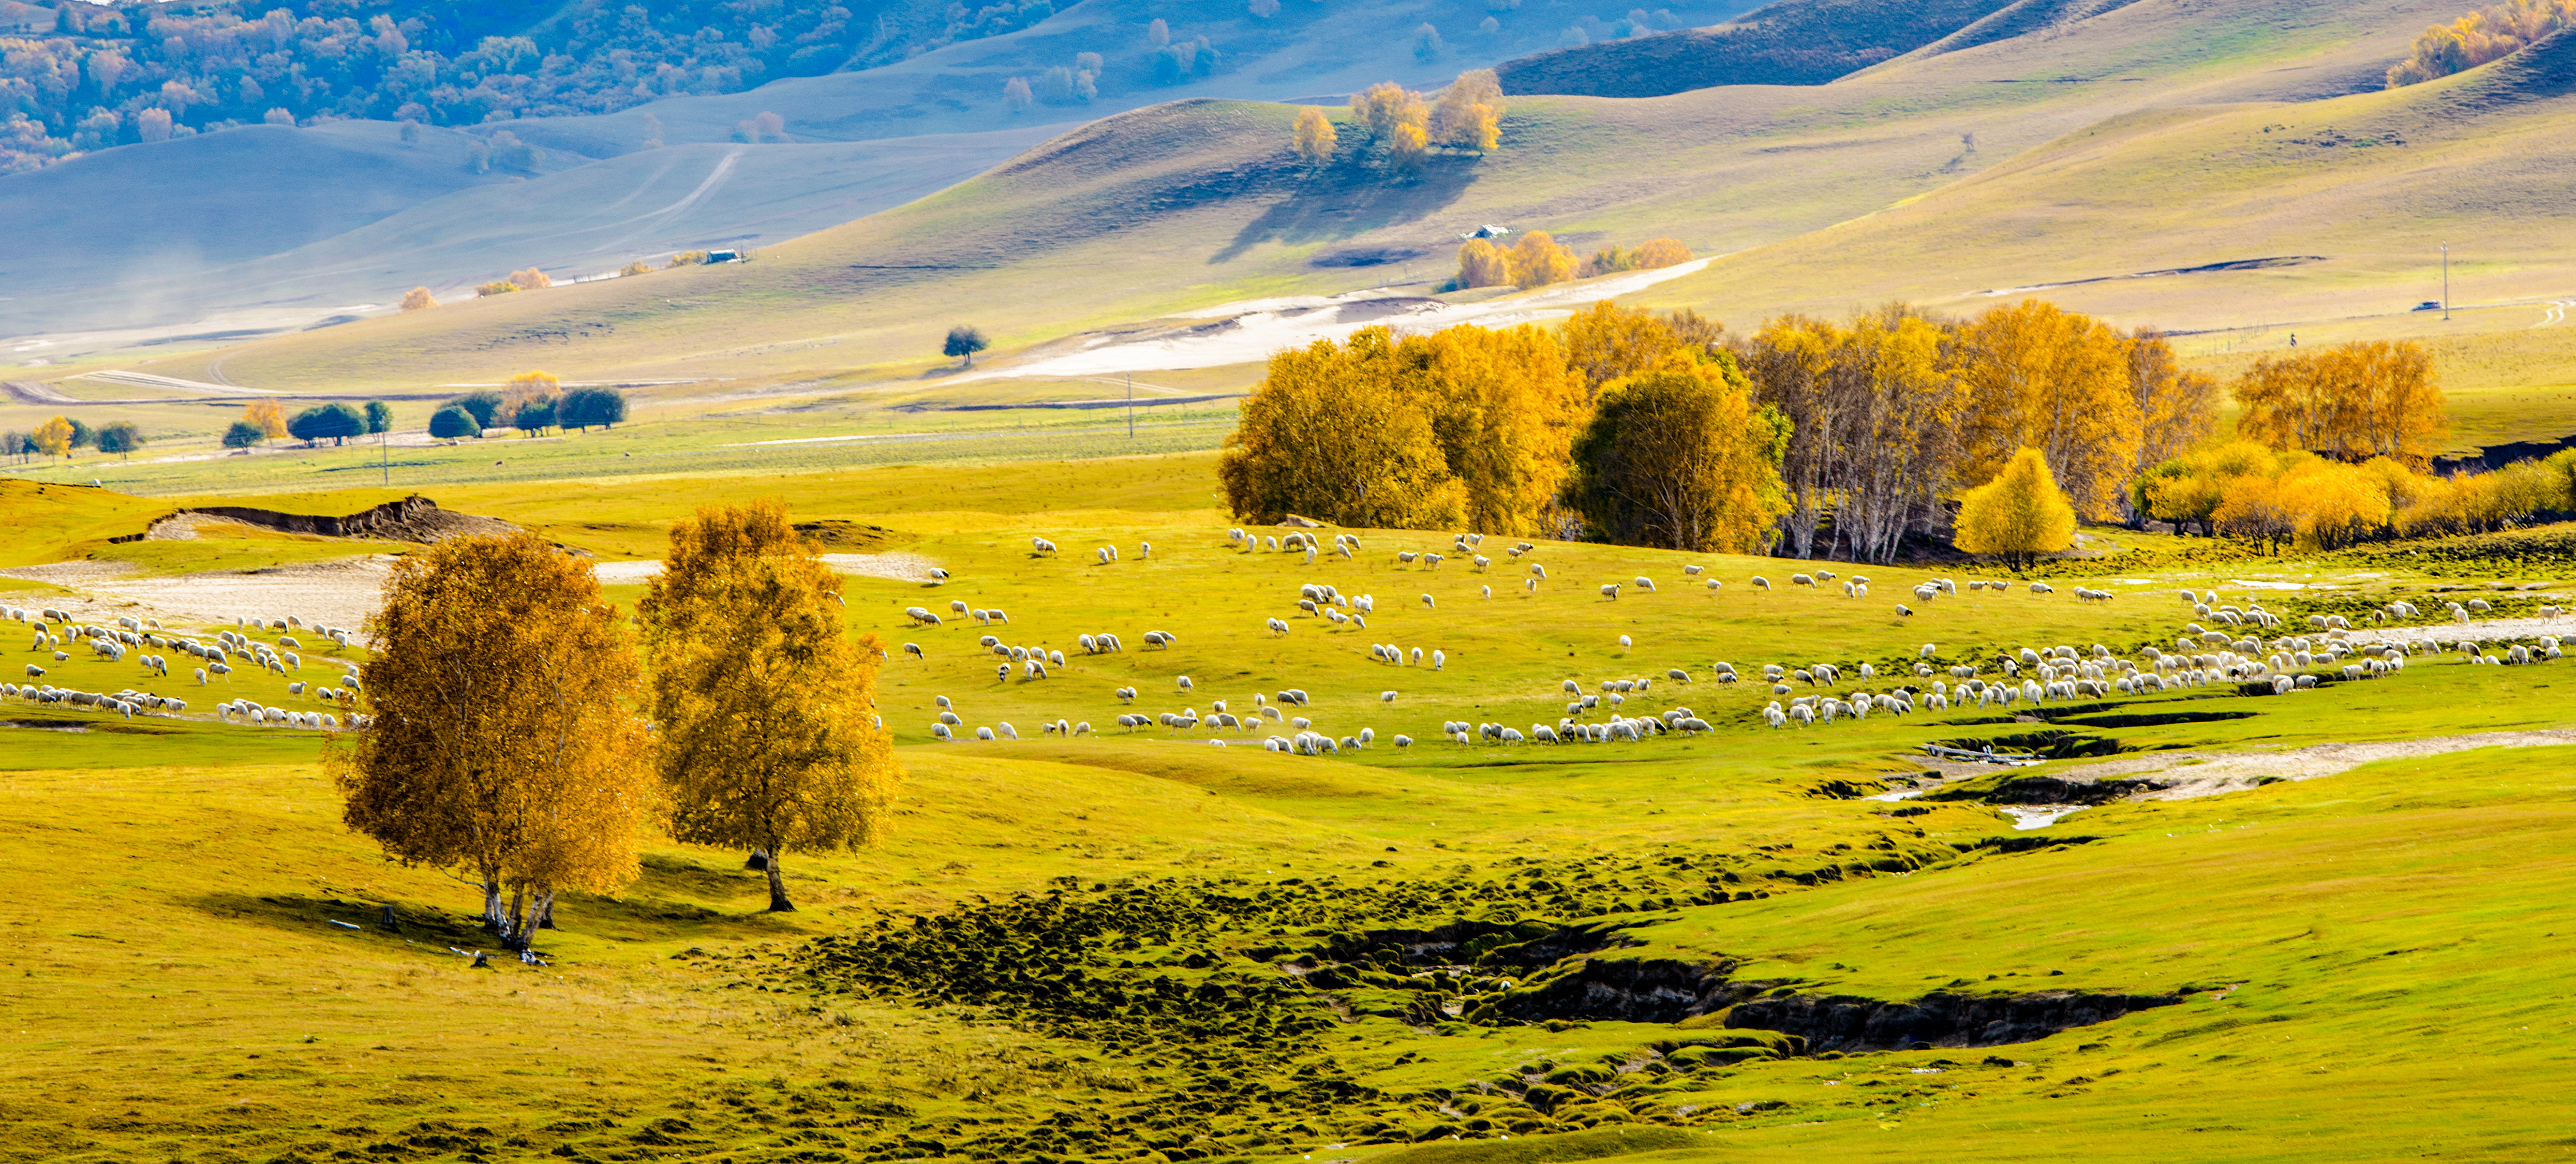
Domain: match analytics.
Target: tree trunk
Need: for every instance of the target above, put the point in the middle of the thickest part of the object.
(541, 915)
(498, 921)
(516, 934)
(778, 902)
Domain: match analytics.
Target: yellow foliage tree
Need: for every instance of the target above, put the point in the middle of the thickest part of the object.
(1504, 410)
(530, 279)
(1657, 253)
(1316, 138)
(418, 299)
(1538, 260)
(523, 388)
(2253, 507)
(2177, 409)
(498, 742)
(2490, 33)
(1679, 456)
(1469, 113)
(1405, 145)
(54, 437)
(1605, 341)
(1384, 106)
(1336, 432)
(2041, 378)
(766, 734)
(1481, 264)
(270, 418)
(2334, 505)
(2019, 515)
(2355, 400)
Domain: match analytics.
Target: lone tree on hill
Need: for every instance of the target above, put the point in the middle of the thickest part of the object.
(243, 435)
(761, 702)
(2019, 515)
(498, 742)
(452, 422)
(120, 437)
(965, 340)
(419, 299)
(334, 422)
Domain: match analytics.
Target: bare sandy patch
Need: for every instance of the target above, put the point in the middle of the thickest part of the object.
(2197, 774)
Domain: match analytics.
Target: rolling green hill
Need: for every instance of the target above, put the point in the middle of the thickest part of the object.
(1801, 42)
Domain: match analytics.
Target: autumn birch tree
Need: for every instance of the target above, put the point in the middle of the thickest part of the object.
(766, 730)
(498, 742)
(2019, 515)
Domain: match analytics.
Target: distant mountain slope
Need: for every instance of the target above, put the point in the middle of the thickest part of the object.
(1182, 206)
(2360, 191)
(957, 95)
(1795, 42)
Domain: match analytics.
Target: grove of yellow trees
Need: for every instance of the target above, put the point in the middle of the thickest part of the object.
(2487, 34)
(2355, 400)
(2276, 497)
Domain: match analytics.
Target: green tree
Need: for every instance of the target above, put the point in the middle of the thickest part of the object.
(964, 340)
(2019, 515)
(243, 435)
(762, 704)
(486, 407)
(83, 436)
(452, 422)
(1678, 456)
(584, 407)
(380, 417)
(498, 741)
(121, 437)
(536, 415)
(334, 422)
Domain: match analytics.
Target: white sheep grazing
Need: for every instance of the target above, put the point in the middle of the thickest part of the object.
(1761, 583)
(1693, 570)
(1610, 590)
(1537, 571)
(1904, 610)
(36, 672)
(1427, 603)
(1101, 555)
(1386, 697)
(1403, 741)
(1055, 658)
(1645, 583)
(1041, 545)
(1677, 675)
(1531, 584)
(914, 650)
(1186, 685)
(1482, 561)
(1489, 591)
(1624, 644)
(1439, 659)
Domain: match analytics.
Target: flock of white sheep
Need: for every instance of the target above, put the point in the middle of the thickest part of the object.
(2031, 676)
(52, 628)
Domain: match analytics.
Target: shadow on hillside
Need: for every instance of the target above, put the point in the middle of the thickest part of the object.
(1349, 200)
(426, 925)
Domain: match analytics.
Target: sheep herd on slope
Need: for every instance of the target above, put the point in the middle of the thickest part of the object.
(144, 638)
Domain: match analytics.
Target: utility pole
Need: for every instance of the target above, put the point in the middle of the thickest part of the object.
(2446, 282)
(1131, 406)
(384, 458)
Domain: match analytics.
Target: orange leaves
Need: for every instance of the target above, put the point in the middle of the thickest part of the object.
(2356, 400)
(1538, 260)
(270, 418)
(2490, 33)
(2038, 377)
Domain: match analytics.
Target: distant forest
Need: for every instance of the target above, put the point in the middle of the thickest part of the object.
(105, 76)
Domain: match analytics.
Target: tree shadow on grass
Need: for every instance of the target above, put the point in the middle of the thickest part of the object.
(1348, 199)
(666, 903)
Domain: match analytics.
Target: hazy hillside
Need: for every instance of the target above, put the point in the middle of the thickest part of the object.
(1797, 42)
(1183, 206)
(1310, 49)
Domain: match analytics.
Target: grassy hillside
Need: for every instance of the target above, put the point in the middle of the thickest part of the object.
(1187, 205)
(1801, 42)
(2352, 196)
(2354, 956)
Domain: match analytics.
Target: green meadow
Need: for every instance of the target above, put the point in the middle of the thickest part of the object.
(1137, 945)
